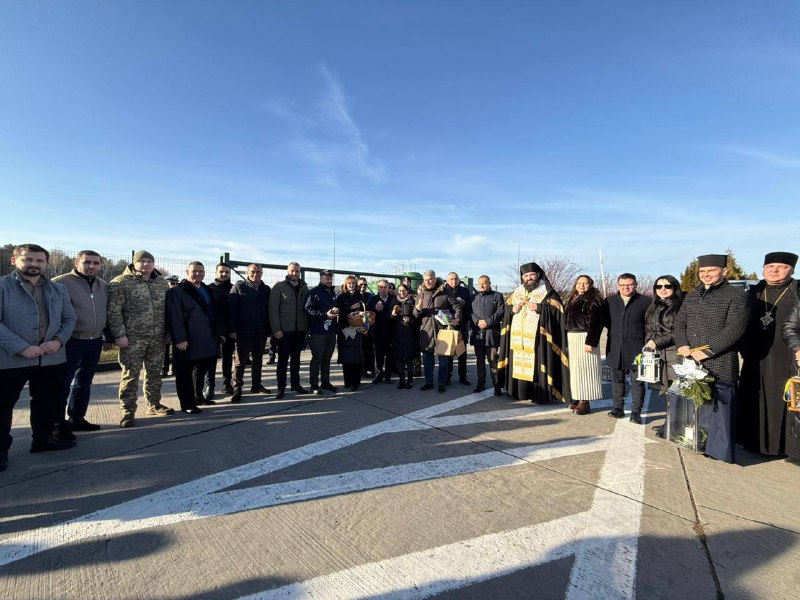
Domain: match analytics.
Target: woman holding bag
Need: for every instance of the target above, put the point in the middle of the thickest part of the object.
(350, 354)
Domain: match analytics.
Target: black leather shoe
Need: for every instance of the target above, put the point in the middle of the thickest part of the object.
(299, 389)
(83, 425)
(259, 389)
(204, 402)
(237, 397)
(464, 381)
(616, 413)
(636, 418)
(228, 388)
(192, 411)
(409, 384)
(280, 394)
(315, 390)
(479, 388)
(442, 388)
(426, 387)
(498, 391)
(63, 432)
(51, 445)
(328, 387)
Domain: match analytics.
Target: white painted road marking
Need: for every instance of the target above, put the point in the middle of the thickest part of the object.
(604, 541)
(170, 505)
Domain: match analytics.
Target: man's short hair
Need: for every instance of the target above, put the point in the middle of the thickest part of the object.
(293, 263)
(23, 248)
(627, 276)
(384, 282)
(429, 273)
(484, 277)
(196, 263)
(222, 265)
(88, 253)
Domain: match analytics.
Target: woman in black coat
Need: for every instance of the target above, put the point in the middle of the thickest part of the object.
(405, 336)
(659, 324)
(350, 354)
(584, 319)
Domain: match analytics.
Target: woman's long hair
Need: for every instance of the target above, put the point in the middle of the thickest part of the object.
(347, 280)
(592, 295)
(673, 301)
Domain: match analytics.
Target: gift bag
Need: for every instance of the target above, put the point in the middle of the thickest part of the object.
(449, 343)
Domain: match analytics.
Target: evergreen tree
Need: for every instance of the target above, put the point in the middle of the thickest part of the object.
(690, 278)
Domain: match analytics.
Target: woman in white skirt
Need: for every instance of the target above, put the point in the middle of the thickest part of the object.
(584, 322)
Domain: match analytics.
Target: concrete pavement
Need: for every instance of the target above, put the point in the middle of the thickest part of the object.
(390, 493)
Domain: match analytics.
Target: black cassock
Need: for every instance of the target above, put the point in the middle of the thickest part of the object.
(763, 425)
(551, 372)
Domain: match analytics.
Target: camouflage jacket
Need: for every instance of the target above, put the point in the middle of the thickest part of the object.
(136, 306)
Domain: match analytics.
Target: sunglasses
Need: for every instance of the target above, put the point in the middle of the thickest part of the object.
(664, 286)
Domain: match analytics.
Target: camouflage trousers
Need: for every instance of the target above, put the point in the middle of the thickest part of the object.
(147, 353)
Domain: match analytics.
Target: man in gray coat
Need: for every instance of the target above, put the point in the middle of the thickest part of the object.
(289, 322)
(36, 320)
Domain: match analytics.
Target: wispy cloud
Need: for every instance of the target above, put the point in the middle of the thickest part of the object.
(766, 158)
(326, 135)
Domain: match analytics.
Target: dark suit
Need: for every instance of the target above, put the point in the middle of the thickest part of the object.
(625, 324)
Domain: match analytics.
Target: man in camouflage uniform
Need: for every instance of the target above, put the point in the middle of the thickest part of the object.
(136, 317)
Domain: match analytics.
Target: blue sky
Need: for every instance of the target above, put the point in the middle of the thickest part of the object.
(428, 134)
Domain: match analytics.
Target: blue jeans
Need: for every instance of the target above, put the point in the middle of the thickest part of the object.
(427, 365)
(76, 384)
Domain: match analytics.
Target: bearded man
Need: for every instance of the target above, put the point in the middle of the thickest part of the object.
(533, 362)
(763, 426)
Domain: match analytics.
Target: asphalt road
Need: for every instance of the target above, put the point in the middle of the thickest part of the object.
(387, 493)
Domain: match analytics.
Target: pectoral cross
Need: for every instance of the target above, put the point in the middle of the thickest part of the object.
(767, 319)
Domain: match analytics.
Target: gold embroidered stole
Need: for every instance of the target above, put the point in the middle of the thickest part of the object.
(524, 330)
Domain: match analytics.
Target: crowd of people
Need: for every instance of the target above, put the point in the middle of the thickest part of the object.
(537, 346)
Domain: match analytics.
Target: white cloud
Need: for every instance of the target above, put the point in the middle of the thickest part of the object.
(762, 157)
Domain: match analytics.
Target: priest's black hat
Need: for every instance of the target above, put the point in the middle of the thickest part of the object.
(712, 260)
(530, 267)
(784, 258)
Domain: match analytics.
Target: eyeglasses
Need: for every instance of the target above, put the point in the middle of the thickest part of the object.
(664, 286)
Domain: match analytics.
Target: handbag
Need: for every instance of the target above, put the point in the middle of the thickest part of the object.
(449, 342)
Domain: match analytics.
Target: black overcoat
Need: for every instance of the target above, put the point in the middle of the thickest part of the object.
(191, 319)
(625, 323)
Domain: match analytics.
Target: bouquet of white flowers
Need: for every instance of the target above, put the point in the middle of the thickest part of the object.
(692, 382)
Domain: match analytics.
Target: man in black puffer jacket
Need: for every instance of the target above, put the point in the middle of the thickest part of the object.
(221, 288)
(712, 319)
(248, 324)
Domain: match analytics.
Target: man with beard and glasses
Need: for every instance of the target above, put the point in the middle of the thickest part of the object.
(288, 317)
(136, 308)
(88, 294)
(221, 289)
(765, 426)
(36, 321)
(323, 325)
(533, 363)
(249, 327)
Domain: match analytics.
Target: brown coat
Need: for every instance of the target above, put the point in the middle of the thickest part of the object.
(429, 302)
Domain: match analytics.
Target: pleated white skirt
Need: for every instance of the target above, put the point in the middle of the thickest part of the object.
(584, 369)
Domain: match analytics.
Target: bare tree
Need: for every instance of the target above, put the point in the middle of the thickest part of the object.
(560, 270)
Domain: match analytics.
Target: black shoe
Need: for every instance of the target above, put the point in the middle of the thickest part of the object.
(464, 381)
(299, 389)
(498, 391)
(63, 432)
(208, 392)
(442, 388)
(479, 388)
(328, 387)
(409, 384)
(192, 411)
(3, 460)
(315, 390)
(401, 385)
(83, 425)
(237, 397)
(228, 388)
(259, 389)
(378, 378)
(426, 387)
(636, 418)
(207, 402)
(280, 394)
(616, 413)
(50, 445)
